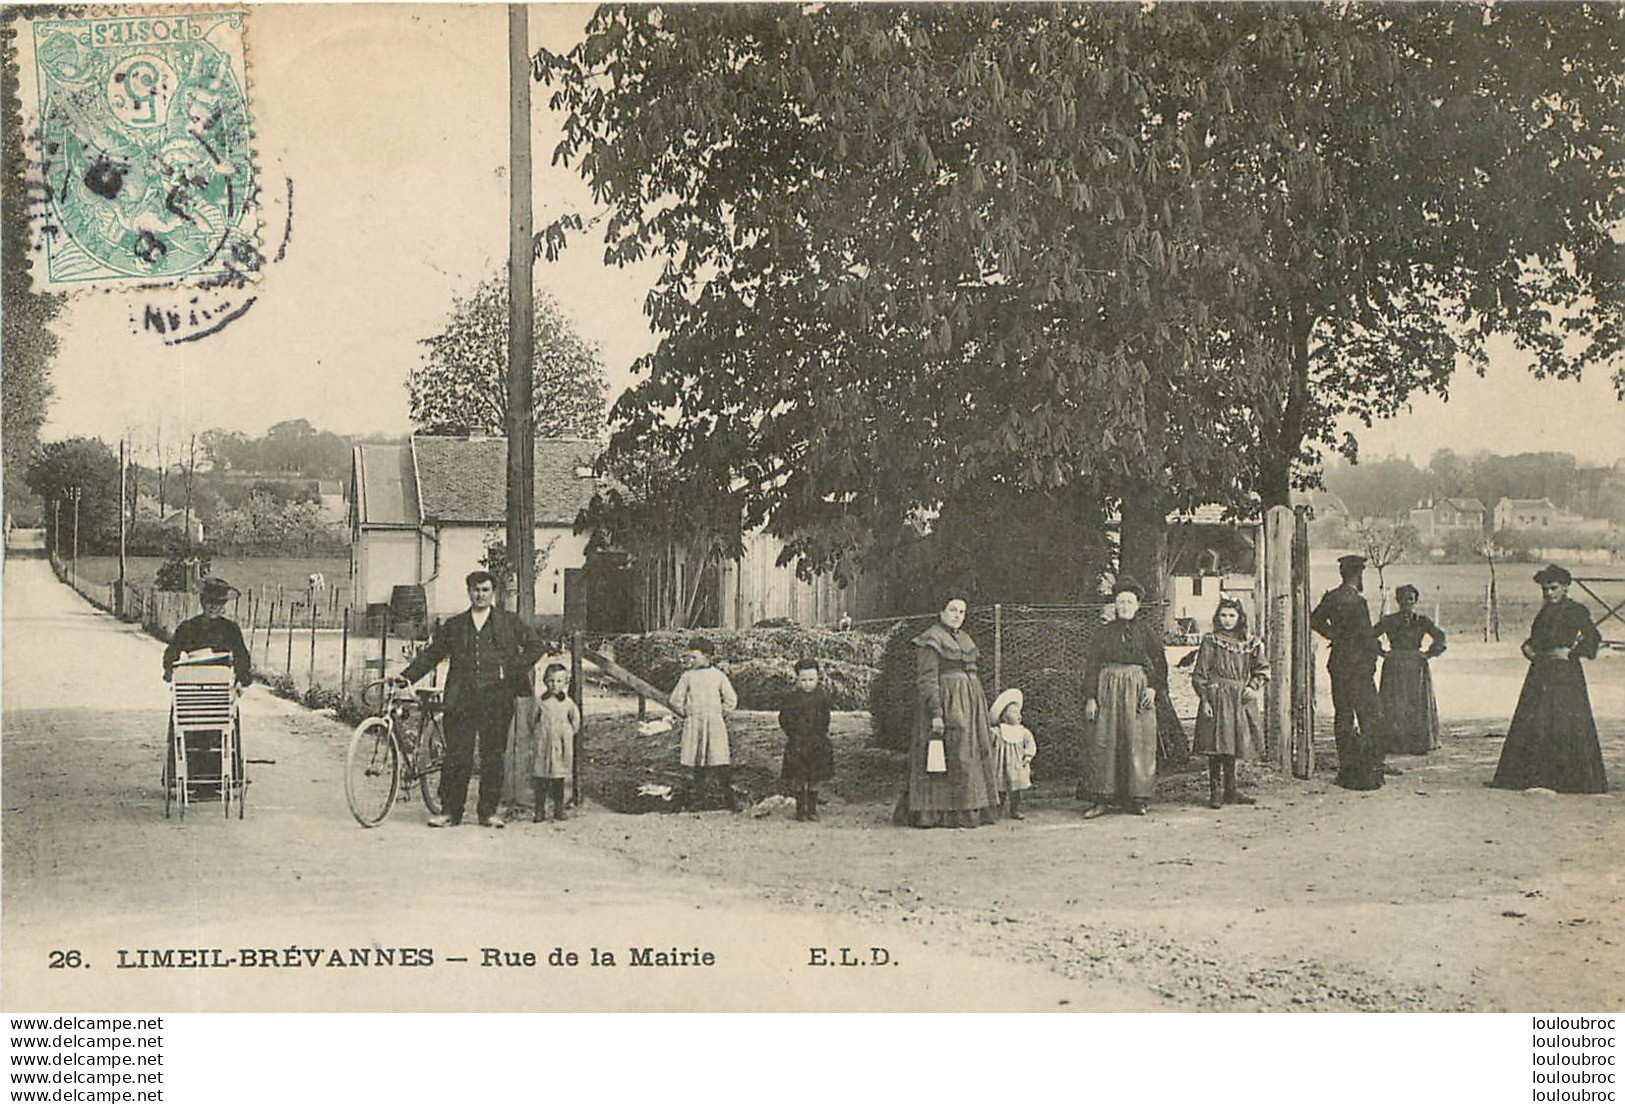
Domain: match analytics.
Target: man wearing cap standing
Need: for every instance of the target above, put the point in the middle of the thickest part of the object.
(1343, 618)
(492, 652)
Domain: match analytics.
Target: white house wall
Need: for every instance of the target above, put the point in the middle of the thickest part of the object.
(385, 559)
(462, 547)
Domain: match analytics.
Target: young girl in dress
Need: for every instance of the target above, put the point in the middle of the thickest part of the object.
(1013, 751)
(553, 727)
(809, 758)
(1229, 677)
(702, 697)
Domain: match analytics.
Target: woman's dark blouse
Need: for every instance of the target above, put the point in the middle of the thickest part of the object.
(1406, 630)
(1566, 624)
(1133, 643)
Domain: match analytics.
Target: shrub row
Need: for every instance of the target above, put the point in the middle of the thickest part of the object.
(760, 662)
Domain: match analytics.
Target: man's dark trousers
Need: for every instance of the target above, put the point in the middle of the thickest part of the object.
(1358, 722)
(484, 719)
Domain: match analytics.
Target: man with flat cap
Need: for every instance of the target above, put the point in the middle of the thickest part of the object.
(1552, 741)
(1343, 618)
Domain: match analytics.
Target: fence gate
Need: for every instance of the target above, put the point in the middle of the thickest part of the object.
(1612, 618)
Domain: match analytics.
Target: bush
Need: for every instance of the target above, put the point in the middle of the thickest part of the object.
(892, 693)
(175, 573)
(759, 662)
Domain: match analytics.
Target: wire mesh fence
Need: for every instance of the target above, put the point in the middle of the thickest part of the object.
(1044, 651)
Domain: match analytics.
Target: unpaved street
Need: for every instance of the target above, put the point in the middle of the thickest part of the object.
(1433, 894)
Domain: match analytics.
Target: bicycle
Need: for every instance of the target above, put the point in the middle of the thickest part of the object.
(386, 754)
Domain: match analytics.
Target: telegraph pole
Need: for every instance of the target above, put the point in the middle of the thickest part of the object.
(521, 320)
(123, 491)
(75, 493)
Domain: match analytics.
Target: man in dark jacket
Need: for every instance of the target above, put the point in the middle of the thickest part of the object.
(492, 652)
(1344, 619)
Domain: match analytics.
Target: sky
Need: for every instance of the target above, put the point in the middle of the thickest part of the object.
(390, 122)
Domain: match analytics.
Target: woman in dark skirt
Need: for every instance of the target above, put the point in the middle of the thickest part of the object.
(1409, 713)
(1552, 741)
(1126, 670)
(951, 779)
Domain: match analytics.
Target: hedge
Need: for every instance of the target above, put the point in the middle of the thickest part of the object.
(760, 662)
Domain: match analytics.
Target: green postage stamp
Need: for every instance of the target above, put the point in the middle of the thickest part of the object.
(141, 148)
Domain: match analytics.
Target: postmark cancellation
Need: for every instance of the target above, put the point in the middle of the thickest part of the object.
(141, 148)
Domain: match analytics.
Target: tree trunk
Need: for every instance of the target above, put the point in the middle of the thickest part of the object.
(1144, 550)
(1281, 447)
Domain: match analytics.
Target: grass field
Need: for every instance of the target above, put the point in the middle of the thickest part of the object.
(245, 573)
(1453, 593)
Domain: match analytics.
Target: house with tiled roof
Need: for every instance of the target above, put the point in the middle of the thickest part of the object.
(1438, 519)
(424, 513)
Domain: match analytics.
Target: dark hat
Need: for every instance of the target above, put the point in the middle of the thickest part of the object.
(1124, 584)
(702, 645)
(1551, 573)
(1407, 588)
(215, 589)
(1346, 564)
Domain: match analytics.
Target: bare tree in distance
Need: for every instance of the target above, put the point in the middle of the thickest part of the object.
(1384, 542)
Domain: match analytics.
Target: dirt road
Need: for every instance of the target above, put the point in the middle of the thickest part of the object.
(1433, 894)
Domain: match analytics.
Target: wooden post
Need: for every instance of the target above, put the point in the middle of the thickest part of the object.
(521, 320)
(1303, 653)
(580, 694)
(287, 667)
(344, 655)
(1277, 629)
(998, 648)
(123, 551)
(312, 682)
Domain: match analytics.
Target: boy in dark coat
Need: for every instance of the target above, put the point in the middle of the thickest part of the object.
(809, 758)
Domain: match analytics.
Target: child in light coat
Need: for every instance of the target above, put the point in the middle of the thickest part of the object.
(703, 697)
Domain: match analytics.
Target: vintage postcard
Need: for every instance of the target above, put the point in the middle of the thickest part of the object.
(1107, 682)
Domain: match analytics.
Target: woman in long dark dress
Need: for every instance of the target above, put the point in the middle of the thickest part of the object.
(1552, 741)
(1409, 712)
(1127, 669)
(953, 786)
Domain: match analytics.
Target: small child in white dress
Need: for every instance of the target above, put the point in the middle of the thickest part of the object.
(552, 732)
(1013, 750)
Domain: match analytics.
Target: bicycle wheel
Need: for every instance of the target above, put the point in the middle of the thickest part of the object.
(372, 771)
(431, 753)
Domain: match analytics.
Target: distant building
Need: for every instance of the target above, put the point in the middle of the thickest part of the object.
(1527, 513)
(1439, 519)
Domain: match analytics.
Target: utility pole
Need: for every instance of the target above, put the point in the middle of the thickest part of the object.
(123, 488)
(521, 320)
(75, 493)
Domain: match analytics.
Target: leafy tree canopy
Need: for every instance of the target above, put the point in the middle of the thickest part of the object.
(1159, 252)
(85, 465)
(461, 386)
